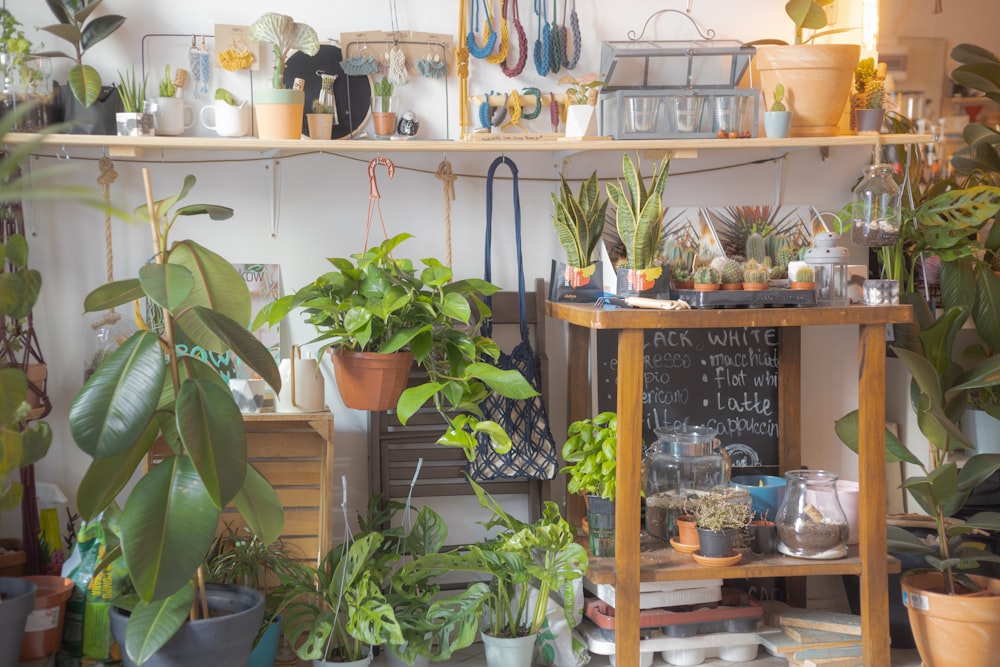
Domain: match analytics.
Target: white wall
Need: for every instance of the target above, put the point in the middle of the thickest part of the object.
(323, 200)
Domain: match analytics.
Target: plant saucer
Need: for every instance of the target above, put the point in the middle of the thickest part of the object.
(717, 562)
(683, 548)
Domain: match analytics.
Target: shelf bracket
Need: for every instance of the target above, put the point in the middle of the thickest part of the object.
(274, 188)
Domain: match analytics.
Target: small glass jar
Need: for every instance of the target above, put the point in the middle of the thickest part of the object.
(876, 214)
(686, 463)
(810, 522)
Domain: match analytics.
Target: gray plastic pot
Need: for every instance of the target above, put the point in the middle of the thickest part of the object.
(211, 642)
(17, 599)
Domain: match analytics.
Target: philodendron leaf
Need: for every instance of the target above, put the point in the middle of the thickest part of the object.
(506, 383)
(152, 624)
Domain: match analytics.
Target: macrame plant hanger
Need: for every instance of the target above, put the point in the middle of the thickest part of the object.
(107, 176)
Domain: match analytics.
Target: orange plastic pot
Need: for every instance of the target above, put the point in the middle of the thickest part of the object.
(44, 629)
(371, 381)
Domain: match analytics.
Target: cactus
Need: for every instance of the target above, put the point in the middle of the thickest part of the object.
(785, 255)
(706, 275)
(779, 94)
(755, 272)
(804, 275)
(681, 274)
(756, 247)
(774, 245)
(768, 263)
(732, 272)
(779, 272)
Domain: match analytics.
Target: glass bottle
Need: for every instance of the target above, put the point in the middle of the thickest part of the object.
(876, 214)
(687, 462)
(326, 100)
(810, 522)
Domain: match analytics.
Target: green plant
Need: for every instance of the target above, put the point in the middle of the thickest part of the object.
(167, 87)
(591, 456)
(810, 15)
(170, 518)
(319, 107)
(868, 83)
(285, 36)
(706, 275)
(755, 273)
(756, 247)
(639, 211)
(731, 272)
(680, 274)
(132, 93)
(376, 303)
(225, 96)
(584, 89)
(18, 50)
(384, 90)
(74, 27)
(579, 220)
(804, 274)
(719, 510)
(779, 95)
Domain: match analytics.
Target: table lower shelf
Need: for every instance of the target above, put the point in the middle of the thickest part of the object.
(659, 562)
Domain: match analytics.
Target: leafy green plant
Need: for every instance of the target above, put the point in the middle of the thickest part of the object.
(73, 26)
(579, 220)
(720, 510)
(167, 86)
(18, 50)
(591, 453)
(319, 107)
(131, 92)
(639, 211)
(285, 36)
(810, 15)
(225, 96)
(169, 520)
(384, 90)
(373, 302)
(779, 95)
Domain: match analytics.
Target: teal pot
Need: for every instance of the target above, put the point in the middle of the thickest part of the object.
(508, 651)
(392, 659)
(601, 525)
(766, 493)
(18, 599)
(266, 650)
(210, 642)
(777, 124)
(716, 543)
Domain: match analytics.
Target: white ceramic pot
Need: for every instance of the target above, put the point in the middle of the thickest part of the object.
(173, 116)
(225, 119)
(777, 124)
(581, 121)
(508, 651)
(363, 662)
(134, 124)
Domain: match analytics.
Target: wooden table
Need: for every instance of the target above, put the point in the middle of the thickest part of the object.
(631, 565)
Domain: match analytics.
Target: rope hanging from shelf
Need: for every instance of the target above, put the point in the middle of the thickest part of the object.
(555, 44)
(489, 36)
(522, 41)
(543, 39)
(447, 177)
(107, 176)
(574, 30)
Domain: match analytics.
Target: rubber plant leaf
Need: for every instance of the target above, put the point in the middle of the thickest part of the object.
(846, 429)
(152, 624)
(115, 405)
(99, 29)
(167, 526)
(61, 10)
(163, 206)
(242, 343)
(85, 82)
(113, 294)
(167, 285)
(211, 428)
(105, 478)
(971, 53)
(64, 31)
(260, 506)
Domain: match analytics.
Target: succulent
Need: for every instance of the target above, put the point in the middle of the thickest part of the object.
(804, 275)
(681, 274)
(756, 247)
(779, 272)
(785, 255)
(732, 272)
(779, 94)
(706, 275)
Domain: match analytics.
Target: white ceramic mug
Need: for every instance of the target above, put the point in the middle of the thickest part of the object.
(173, 116)
(225, 119)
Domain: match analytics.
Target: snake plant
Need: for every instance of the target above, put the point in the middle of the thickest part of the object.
(639, 211)
(579, 220)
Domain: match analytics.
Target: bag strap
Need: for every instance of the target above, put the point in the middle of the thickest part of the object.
(522, 311)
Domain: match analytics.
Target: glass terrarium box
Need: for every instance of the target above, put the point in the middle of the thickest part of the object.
(676, 90)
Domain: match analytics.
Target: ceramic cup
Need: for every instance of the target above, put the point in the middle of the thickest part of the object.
(173, 116)
(225, 119)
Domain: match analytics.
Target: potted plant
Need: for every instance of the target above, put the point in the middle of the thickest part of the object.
(720, 515)
(228, 117)
(133, 121)
(777, 118)
(706, 279)
(581, 104)
(239, 557)
(165, 534)
(384, 108)
(279, 110)
(869, 94)
(321, 120)
(172, 115)
(681, 276)
(755, 276)
(590, 453)
(578, 222)
(803, 278)
(639, 220)
(818, 74)
(731, 274)
(373, 311)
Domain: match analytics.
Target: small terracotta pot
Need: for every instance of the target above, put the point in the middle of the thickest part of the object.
(685, 285)
(755, 287)
(732, 286)
(687, 530)
(802, 286)
(43, 635)
(706, 287)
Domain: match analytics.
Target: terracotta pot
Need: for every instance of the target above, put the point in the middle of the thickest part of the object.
(706, 287)
(279, 113)
(817, 80)
(371, 381)
(320, 125)
(732, 286)
(687, 530)
(755, 287)
(12, 561)
(385, 123)
(953, 630)
(44, 629)
(685, 285)
(802, 286)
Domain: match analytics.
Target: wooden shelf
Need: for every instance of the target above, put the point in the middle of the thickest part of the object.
(137, 146)
(634, 563)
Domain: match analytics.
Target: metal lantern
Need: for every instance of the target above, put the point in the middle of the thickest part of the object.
(829, 263)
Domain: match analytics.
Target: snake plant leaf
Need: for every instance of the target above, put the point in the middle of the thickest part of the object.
(152, 624)
(167, 285)
(98, 29)
(211, 428)
(260, 506)
(243, 344)
(113, 294)
(85, 82)
(115, 405)
(106, 477)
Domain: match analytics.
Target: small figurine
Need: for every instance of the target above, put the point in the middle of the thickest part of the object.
(408, 124)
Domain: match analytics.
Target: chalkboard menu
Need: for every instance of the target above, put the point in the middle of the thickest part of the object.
(723, 378)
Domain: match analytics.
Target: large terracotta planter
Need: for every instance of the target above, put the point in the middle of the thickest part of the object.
(953, 630)
(817, 80)
(371, 381)
(279, 113)
(44, 629)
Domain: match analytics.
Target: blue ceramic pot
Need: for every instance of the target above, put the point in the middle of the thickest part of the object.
(766, 493)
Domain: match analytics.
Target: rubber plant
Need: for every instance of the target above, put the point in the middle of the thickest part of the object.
(74, 27)
(146, 391)
(579, 222)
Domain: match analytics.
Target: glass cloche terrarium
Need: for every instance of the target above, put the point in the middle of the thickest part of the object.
(810, 522)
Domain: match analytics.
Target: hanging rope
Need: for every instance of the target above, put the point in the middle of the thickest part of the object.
(462, 70)
(107, 176)
(555, 48)
(522, 41)
(500, 55)
(543, 39)
(447, 178)
(574, 28)
(489, 37)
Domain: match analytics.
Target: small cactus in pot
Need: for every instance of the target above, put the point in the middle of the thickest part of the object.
(756, 247)
(731, 274)
(707, 279)
(755, 275)
(682, 276)
(804, 278)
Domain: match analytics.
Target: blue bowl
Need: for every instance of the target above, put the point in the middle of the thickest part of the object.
(766, 493)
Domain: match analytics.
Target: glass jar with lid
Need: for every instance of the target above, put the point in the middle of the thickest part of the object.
(686, 462)
(876, 214)
(810, 522)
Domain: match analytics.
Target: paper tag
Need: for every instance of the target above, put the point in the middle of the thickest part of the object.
(916, 601)
(42, 619)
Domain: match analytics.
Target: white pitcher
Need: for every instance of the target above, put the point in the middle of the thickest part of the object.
(301, 384)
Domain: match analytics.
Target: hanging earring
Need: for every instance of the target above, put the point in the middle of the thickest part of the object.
(397, 72)
(432, 66)
(362, 64)
(201, 65)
